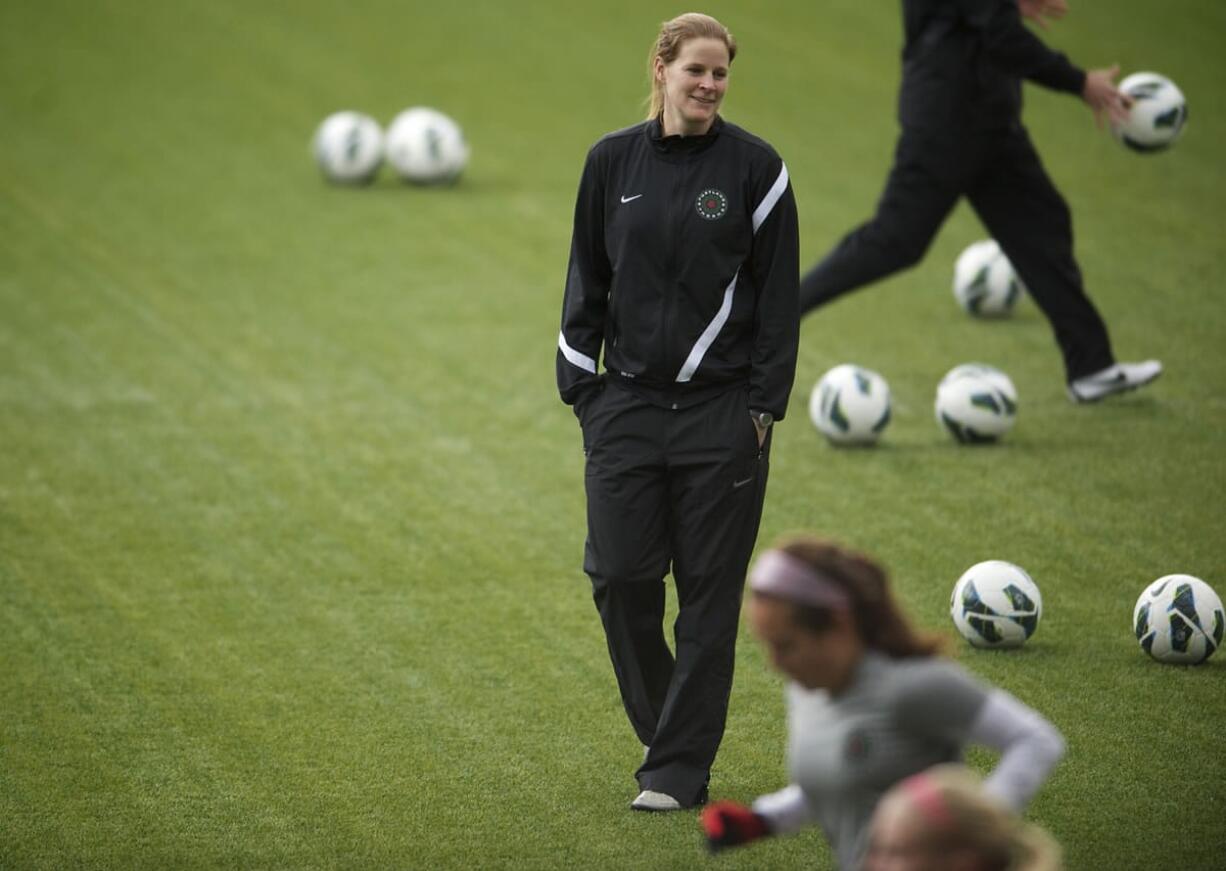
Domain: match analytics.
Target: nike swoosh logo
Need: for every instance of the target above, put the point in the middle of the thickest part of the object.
(630, 199)
(736, 485)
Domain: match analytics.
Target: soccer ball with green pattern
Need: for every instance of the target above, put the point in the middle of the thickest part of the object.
(1157, 115)
(348, 147)
(1179, 619)
(976, 403)
(425, 146)
(996, 604)
(850, 405)
(985, 284)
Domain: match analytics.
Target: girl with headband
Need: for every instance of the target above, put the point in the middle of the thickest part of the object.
(870, 702)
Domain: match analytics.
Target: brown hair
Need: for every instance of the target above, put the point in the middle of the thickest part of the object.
(978, 823)
(879, 621)
(674, 34)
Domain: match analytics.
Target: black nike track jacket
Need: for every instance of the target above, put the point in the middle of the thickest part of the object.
(963, 62)
(684, 268)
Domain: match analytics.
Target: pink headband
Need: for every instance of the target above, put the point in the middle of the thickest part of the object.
(780, 574)
(926, 796)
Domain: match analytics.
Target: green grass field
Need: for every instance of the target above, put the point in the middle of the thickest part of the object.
(291, 518)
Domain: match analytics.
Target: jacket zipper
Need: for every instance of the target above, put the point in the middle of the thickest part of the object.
(677, 171)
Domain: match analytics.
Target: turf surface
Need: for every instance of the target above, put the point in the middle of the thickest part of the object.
(290, 515)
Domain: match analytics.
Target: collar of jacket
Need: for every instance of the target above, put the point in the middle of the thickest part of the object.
(680, 145)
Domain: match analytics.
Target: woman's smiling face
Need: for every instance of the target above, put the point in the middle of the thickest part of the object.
(694, 85)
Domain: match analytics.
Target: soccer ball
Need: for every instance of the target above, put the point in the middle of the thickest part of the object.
(1158, 114)
(348, 147)
(984, 281)
(1179, 619)
(991, 374)
(850, 405)
(425, 146)
(996, 604)
(976, 403)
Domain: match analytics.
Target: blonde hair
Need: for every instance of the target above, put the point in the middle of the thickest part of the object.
(880, 622)
(673, 34)
(967, 818)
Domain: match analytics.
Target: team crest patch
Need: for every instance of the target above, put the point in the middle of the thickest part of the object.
(712, 204)
(857, 747)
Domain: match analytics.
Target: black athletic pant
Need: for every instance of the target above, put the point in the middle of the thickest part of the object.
(999, 172)
(679, 489)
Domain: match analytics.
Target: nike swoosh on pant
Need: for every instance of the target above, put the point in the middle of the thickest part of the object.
(630, 199)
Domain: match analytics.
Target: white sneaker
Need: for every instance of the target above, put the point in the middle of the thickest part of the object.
(655, 801)
(1113, 379)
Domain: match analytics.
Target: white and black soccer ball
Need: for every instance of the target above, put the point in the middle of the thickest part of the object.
(985, 283)
(1157, 116)
(1179, 619)
(348, 147)
(425, 146)
(976, 403)
(991, 374)
(850, 405)
(996, 604)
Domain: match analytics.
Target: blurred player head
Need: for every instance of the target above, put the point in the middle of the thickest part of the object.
(942, 820)
(688, 66)
(817, 607)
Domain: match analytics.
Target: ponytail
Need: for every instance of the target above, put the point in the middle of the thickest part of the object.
(879, 621)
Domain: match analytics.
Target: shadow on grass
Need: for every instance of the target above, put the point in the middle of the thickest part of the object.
(1143, 667)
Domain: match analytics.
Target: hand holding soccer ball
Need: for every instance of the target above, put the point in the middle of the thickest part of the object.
(1157, 113)
(1102, 96)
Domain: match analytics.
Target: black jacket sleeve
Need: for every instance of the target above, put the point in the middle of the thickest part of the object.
(775, 268)
(588, 276)
(1016, 50)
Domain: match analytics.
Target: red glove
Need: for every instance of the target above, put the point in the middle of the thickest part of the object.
(729, 824)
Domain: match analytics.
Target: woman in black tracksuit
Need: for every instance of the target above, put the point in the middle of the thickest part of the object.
(683, 267)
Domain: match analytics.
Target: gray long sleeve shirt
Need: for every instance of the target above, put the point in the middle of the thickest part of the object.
(897, 718)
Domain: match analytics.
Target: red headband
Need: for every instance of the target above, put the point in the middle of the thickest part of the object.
(926, 796)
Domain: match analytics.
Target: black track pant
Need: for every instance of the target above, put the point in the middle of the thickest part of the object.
(679, 489)
(1000, 173)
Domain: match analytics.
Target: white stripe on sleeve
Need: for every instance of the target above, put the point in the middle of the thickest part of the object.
(705, 341)
(764, 208)
(583, 361)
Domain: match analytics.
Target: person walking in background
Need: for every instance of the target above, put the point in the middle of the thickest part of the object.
(962, 136)
(870, 702)
(684, 270)
(942, 820)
